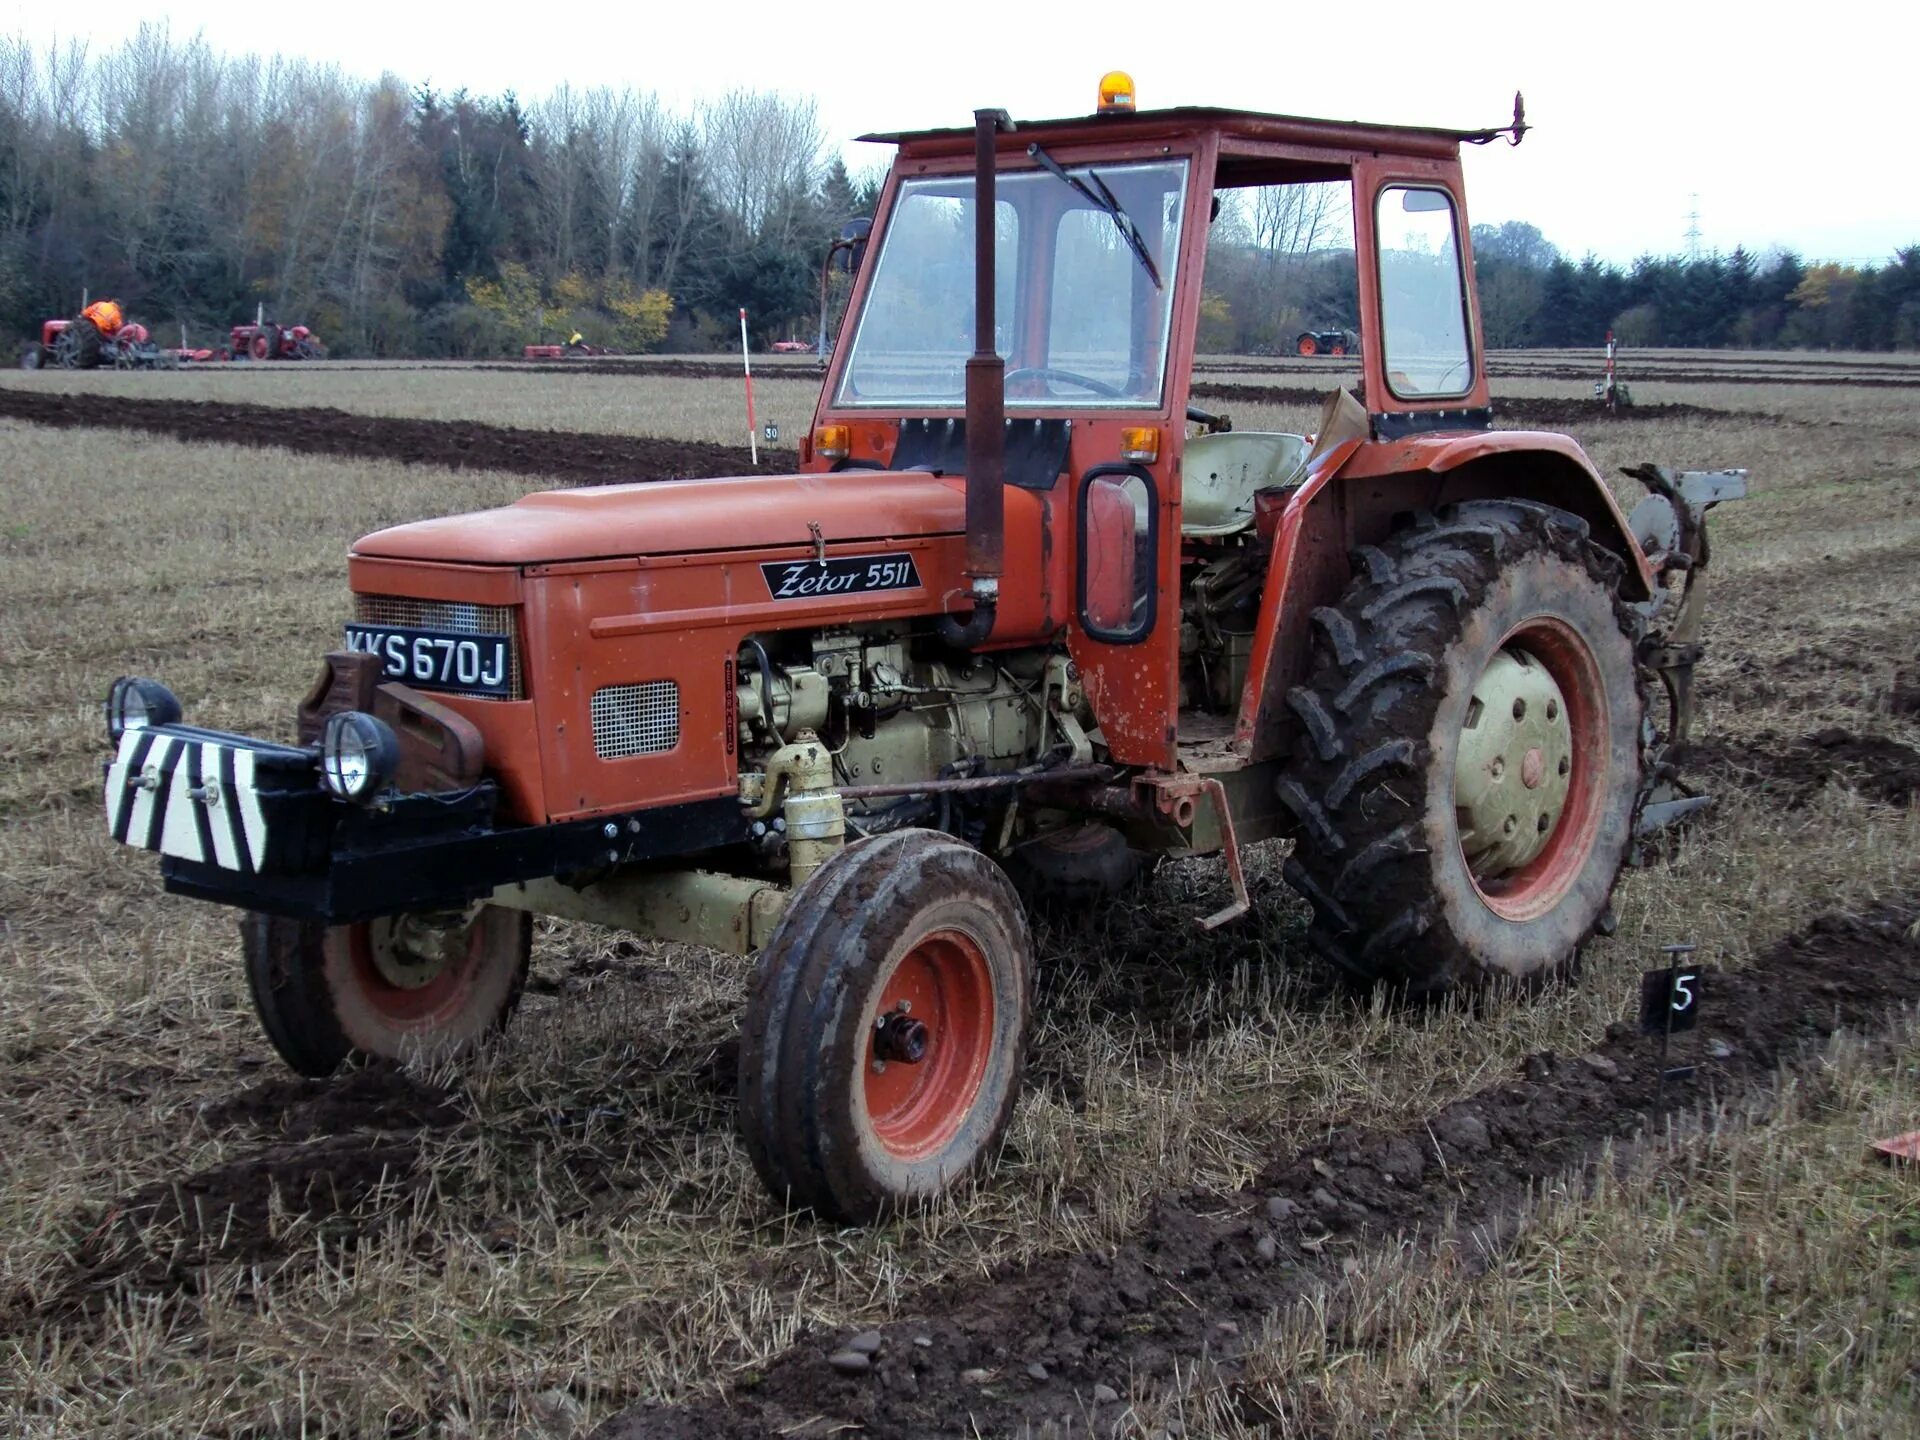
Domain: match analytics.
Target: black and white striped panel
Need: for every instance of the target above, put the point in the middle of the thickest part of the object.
(187, 797)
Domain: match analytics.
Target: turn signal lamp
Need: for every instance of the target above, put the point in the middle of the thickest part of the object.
(833, 442)
(1116, 92)
(1140, 442)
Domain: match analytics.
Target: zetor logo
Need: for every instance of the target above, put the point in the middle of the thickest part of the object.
(843, 575)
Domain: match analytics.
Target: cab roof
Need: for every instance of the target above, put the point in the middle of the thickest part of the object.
(1245, 131)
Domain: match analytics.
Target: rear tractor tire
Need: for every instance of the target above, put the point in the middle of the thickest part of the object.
(883, 1043)
(397, 988)
(1469, 761)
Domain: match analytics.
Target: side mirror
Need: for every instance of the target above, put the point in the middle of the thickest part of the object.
(853, 242)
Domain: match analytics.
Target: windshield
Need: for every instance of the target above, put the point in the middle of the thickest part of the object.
(1079, 318)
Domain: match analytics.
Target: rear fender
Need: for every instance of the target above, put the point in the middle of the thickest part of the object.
(1358, 502)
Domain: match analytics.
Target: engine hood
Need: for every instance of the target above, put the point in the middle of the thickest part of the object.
(670, 517)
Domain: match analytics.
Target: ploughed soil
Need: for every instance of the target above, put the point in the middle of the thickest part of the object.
(1017, 1351)
(1792, 770)
(314, 1160)
(1524, 410)
(579, 459)
(1852, 376)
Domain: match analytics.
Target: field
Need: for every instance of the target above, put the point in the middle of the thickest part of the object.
(1234, 1201)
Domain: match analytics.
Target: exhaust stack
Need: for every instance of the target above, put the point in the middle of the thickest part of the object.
(986, 406)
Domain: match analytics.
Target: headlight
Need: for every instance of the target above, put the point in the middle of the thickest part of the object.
(358, 755)
(134, 704)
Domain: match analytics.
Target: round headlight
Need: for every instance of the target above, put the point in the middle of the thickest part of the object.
(134, 704)
(358, 755)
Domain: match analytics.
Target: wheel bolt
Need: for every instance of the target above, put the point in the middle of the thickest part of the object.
(1542, 827)
(1499, 766)
(1519, 709)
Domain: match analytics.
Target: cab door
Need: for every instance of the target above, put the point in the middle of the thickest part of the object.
(1124, 630)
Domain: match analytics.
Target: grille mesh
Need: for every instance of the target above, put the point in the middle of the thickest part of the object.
(636, 719)
(456, 617)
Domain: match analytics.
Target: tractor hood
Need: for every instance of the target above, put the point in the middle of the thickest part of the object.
(672, 517)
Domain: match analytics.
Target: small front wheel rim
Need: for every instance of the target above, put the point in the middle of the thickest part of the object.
(938, 1001)
(1530, 769)
(403, 987)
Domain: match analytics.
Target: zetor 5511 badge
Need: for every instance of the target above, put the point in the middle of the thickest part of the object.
(1023, 619)
(852, 575)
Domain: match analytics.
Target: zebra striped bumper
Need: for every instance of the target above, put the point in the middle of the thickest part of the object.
(213, 799)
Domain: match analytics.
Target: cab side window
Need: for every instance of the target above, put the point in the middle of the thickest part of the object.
(1423, 297)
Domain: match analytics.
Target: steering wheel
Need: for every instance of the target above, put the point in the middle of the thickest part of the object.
(1047, 372)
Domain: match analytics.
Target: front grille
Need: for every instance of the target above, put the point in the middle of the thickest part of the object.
(454, 616)
(636, 719)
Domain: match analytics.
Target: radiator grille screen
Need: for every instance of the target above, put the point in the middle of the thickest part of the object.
(636, 719)
(454, 616)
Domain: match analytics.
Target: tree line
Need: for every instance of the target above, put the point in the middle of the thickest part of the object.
(400, 220)
(1532, 295)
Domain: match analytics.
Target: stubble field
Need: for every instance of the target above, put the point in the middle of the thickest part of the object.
(1206, 1222)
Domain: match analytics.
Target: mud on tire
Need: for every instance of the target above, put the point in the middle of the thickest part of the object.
(829, 1127)
(1382, 712)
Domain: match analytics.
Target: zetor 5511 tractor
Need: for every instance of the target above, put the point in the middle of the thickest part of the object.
(1009, 622)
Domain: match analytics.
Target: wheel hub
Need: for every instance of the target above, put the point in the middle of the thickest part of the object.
(1514, 768)
(410, 951)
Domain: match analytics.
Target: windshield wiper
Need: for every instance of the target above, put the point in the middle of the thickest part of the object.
(1101, 198)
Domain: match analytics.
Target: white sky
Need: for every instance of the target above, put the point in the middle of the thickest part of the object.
(1792, 125)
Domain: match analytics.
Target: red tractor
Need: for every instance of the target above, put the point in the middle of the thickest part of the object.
(265, 340)
(98, 336)
(1009, 632)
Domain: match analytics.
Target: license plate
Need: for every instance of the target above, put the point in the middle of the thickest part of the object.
(437, 659)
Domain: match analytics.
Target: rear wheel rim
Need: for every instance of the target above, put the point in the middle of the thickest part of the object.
(1307, 345)
(1530, 769)
(915, 1109)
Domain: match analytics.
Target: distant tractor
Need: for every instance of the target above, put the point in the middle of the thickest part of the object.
(793, 347)
(265, 340)
(99, 335)
(1022, 618)
(1323, 342)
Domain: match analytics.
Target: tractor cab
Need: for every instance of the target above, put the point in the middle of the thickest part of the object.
(1077, 310)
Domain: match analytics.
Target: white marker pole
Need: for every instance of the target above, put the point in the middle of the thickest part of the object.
(746, 363)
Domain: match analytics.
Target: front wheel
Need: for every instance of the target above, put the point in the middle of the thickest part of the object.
(1469, 756)
(883, 1043)
(399, 988)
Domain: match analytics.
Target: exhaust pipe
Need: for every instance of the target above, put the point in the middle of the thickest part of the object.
(986, 408)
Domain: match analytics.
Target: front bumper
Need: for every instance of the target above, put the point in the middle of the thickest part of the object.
(245, 822)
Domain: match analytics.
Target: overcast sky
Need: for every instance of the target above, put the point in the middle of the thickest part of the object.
(1782, 126)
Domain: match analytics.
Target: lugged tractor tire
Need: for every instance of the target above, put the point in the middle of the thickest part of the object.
(1491, 627)
(839, 1115)
(326, 993)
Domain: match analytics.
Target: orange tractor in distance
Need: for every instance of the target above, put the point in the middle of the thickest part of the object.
(1010, 631)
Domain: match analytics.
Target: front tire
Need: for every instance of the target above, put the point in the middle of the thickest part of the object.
(395, 988)
(1469, 757)
(883, 1044)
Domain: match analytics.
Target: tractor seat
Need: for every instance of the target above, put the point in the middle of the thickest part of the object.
(1221, 473)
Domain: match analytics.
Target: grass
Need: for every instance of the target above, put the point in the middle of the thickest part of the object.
(589, 1233)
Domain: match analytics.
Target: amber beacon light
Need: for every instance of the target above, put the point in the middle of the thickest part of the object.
(1116, 92)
